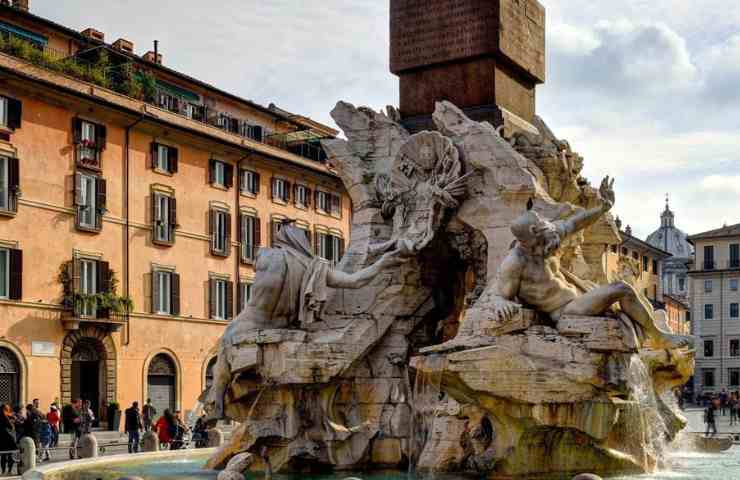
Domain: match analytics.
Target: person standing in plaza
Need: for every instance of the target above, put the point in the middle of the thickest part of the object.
(53, 418)
(72, 426)
(86, 418)
(732, 406)
(723, 401)
(149, 414)
(8, 442)
(166, 428)
(709, 419)
(133, 427)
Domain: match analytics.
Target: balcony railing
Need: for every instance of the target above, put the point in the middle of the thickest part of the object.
(709, 265)
(733, 263)
(124, 78)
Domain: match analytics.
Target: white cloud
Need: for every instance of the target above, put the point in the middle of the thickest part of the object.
(721, 183)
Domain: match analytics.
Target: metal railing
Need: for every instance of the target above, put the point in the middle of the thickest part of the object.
(118, 77)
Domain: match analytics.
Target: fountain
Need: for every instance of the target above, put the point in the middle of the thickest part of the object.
(469, 328)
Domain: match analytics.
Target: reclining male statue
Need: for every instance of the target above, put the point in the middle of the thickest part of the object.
(289, 290)
(531, 274)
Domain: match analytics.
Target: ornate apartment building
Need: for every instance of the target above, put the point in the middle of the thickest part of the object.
(715, 303)
(133, 201)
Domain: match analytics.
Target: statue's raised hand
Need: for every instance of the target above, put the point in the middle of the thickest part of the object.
(392, 259)
(606, 193)
(504, 309)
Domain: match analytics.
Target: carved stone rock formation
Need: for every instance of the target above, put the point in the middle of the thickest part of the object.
(416, 368)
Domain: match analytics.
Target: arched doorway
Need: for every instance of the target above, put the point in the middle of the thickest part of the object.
(161, 382)
(88, 359)
(88, 380)
(10, 374)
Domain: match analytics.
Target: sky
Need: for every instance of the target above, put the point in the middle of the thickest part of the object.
(647, 91)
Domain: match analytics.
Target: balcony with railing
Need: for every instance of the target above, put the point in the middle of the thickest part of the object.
(709, 265)
(105, 67)
(733, 263)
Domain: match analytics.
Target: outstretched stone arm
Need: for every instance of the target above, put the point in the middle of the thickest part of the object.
(339, 279)
(585, 219)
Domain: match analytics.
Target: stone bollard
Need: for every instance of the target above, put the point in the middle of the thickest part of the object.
(28, 454)
(587, 476)
(150, 442)
(215, 438)
(88, 447)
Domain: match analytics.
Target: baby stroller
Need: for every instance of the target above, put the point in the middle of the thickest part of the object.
(45, 437)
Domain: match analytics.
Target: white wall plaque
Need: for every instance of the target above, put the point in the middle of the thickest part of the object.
(43, 349)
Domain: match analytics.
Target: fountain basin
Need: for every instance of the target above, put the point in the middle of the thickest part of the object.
(188, 465)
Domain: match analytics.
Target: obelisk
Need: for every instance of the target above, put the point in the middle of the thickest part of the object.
(485, 56)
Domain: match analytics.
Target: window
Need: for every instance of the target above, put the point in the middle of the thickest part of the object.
(165, 292)
(734, 310)
(708, 376)
(709, 257)
(708, 348)
(708, 286)
(255, 132)
(708, 311)
(164, 158)
(625, 252)
(90, 200)
(88, 285)
(10, 113)
(9, 183)
(245, 294)
(221, 299)
(329, 247)
(645, 263)
(164, 215)
(221, 174)
(250, 182)
(613, 248)
(635, 255)
(655, 267)
(328, 203)
(734, 255)
(11, 273)
(90, 139)
(220, 231)
(733, 284)
(249, 237)
(734, 376)
(302, 196)
(169, 102)
(681, 284)
(735, 348)
(227, 123)
(280, 190)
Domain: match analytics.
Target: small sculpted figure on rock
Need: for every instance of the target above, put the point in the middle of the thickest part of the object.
(289, 290)
(531, 273)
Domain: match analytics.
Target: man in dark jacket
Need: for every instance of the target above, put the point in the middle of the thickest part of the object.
(133, 427)
(149, 413)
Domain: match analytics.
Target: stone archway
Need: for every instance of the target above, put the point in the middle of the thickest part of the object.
(90, 344)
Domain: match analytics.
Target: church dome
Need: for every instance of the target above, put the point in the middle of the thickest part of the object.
(670, 238)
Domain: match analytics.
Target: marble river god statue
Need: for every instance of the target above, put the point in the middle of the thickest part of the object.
(469, 328)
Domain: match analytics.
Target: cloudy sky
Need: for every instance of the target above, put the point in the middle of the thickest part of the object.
(645, 90)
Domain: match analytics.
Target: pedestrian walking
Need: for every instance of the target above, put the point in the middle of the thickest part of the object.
(32, 425)
(134, 425)
(723, 397)
(19, 420)
(54, 419)
(8, 442)
(44, 441)
(72, 425)
(709, 419)
(179, 431)
(149, 414)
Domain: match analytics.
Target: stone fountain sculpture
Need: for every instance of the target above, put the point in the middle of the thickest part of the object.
(468, 327)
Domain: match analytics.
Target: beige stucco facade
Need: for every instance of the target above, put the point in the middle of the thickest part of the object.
(46, 338)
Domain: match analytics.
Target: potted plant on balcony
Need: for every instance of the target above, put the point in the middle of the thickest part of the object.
(114, 416)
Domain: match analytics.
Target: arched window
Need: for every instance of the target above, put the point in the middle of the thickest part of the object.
(209, 372)
(10, 373)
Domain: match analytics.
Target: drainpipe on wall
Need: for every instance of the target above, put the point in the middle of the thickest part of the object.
(237, 259)
(127, 224)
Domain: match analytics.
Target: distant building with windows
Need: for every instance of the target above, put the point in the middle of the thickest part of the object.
(127, 184)
(715, 302)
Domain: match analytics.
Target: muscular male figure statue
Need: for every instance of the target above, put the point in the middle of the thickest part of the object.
(531, 273)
